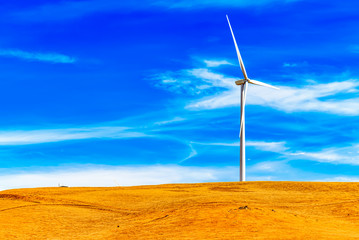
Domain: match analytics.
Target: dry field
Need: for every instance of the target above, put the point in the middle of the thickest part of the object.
(251, 210)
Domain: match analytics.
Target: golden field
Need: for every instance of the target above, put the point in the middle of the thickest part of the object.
(250, 210)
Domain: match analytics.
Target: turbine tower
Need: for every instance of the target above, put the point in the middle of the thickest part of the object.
(243, 83)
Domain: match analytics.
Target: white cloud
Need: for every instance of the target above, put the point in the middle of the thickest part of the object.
(216, 63)
(281, 170)
(235, 144)
(354, 48)
(221, 100)
(33, 56)
(338, 179)
(214, 79)
(64, 10)
(270, 167)
(24, 137)
(277, 171)
(174, 120)
(220, 91)
(308, 98)
(343, 155)
(290, 64)
(278, 147)
(214, 3)
(191, 154)
(198, 81)
(107, 176)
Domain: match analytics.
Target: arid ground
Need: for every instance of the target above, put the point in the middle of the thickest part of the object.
(250, 210)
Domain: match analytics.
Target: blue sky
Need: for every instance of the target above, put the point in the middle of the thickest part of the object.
(104, 93)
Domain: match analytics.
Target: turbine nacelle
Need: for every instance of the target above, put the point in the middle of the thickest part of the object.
(255, 82)
(241, 82)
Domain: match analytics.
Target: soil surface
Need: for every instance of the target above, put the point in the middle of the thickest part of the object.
(250, 210)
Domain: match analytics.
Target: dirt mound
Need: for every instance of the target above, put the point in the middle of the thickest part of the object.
(250, 210)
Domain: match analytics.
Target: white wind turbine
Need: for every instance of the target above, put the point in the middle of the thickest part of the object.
(244, 82)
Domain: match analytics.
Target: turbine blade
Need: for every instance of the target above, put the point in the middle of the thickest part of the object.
(261, 84)
(243, 101)
(237, 50)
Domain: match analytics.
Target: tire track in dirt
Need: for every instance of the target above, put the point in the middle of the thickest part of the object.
(58, 202)
(336, 203)
(13, 208)
(79, 205)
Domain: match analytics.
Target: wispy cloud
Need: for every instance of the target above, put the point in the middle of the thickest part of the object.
(166, 122)
(341, 155)
(191, 154)
(216, 63)
(338, 179)
(316, 98)
(302, 64)
(216, 90)
(33, 56)
(278, 170)
(106, 176)
(65, 10)
(278, 147)
(336, 155)
(290, 99)
(282, 170)
(270, 167)
(290, 65)
(56, 135)
(214, 3)
(354, 48)
(197, 81)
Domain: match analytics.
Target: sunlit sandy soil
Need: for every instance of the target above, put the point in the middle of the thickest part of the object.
(251, 210)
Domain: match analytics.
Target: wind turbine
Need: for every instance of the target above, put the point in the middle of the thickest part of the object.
(243, 82)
